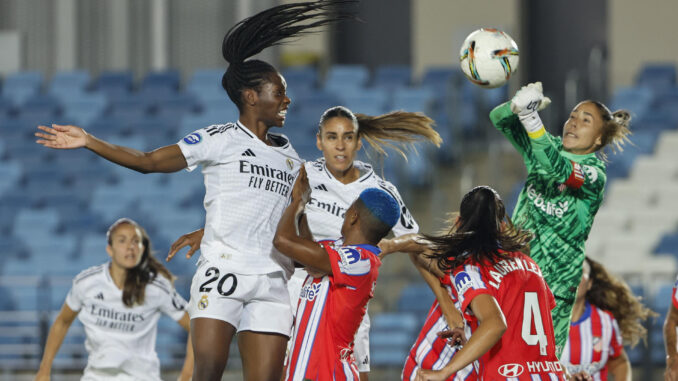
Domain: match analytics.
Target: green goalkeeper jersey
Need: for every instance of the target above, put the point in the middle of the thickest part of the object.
(561, 196)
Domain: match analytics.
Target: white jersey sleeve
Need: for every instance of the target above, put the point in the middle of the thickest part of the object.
(75, 298)
(172, 303)
(406, 223)
(204, 146)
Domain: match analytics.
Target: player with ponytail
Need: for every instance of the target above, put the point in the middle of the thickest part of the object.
(564, 186)
(337, 178)
(240, 283)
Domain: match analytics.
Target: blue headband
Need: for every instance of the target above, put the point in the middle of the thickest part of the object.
(382, 205)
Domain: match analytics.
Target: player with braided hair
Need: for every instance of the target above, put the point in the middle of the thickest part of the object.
(337, 178)
(240, 284)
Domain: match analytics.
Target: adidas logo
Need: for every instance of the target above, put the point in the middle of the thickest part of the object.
(100, 296)
(366, 361)
(248, 152)
(321, 187)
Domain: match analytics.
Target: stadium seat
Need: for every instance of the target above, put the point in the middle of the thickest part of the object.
(83, 109)
(413, 100)
(366, 101)
(340, 77)
(114, 83)
(160, 82)
(391, 76)
(66, 84)
(416, 298)
(668, 245)
(638, 100)
(441, 79)
(18, 87)
(301, 79)
(30, 223)
(657, 76)
(10, 173)
(666, 104)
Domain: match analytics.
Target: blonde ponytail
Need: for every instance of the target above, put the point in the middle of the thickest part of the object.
(398, 130)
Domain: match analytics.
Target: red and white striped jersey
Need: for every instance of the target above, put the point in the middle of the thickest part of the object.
(526, 351)
(594, 339)
(329, 313)
(674, 299)
(432, 352)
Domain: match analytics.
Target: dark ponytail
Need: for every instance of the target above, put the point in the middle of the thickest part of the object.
(482, 230)
(268, 28)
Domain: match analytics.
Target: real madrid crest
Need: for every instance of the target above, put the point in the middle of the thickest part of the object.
(290, 164)
(202, 304)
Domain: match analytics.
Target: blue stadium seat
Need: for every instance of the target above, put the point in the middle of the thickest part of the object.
(25, 298)
(10, 173)
(638, 100)
(413, 100)
(391, 76)
(224, 108)
(366, 101)
(109, 201)
(129, 108)
(30, 223)
(340, 77)
(114, 83)
(668, 244)
(11, 247)
(667, 105)
(206, 85)
(388, 357)
(50, 249)
(66, 84)
(394, 321)
(301, 78)
(416, 298)
(658, 77)
(85, 108)
(161, 82)
(177, 105)
(441, 78)
(18, 87)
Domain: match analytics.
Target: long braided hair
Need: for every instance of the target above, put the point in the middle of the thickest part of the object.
(269, 28)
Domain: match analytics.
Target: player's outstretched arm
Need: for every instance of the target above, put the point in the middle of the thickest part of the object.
(406, 243)
(492, 327)
(56, 336)
(287, 241)
(189, 361)
(192, 240)
(164, 159)
(670, 325)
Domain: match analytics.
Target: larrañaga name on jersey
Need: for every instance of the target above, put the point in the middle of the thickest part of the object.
(505, 266)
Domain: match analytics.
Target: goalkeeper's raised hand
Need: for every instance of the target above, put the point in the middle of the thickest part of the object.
(526, 103)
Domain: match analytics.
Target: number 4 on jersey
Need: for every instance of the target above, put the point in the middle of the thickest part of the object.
(532, 313)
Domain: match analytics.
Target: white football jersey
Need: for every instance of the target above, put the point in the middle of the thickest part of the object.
(330, 198)
(121, 337)
(247, 187)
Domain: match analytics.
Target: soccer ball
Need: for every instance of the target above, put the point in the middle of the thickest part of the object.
(488, 57)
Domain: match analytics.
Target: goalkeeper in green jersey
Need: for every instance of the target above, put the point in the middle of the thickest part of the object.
(564, 187)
